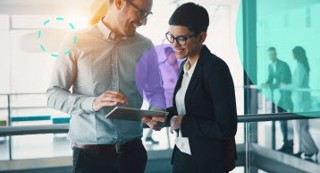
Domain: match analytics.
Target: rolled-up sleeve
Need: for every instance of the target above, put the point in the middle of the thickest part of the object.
(63, 76)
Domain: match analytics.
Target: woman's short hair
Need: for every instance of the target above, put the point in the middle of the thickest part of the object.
(192, 16)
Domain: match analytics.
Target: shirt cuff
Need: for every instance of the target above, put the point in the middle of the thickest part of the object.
(87, 104)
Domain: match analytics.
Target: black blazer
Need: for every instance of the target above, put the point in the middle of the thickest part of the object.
(281, 75)
(210, 122)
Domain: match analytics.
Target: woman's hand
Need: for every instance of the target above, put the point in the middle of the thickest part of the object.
(175, 123)
(155, 122)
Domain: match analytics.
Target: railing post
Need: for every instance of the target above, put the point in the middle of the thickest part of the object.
(9, 124)
(273, 123)
(247, 147)
(9, 110)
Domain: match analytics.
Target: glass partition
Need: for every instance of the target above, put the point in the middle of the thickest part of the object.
(287, 30)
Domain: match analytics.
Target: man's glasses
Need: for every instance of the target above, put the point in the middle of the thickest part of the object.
(182, 40)
(141, 13)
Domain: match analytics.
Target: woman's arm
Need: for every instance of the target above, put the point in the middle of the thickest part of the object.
(172, 112)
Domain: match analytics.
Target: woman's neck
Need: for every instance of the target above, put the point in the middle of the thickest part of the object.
(192, 59)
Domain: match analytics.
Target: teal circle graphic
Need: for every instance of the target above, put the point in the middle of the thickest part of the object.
(46, 23)
(290, 33)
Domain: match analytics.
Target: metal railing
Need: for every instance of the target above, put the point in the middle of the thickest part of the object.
(9, 107)
(247, 154)
(63, 128)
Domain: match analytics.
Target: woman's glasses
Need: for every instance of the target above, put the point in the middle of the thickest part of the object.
(182, 39)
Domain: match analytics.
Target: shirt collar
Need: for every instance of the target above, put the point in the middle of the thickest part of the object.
(188, 69)
(107, 33)
(275, 62)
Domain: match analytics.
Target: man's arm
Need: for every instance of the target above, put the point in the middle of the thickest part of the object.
(63, 76)
(270, 76)
(285, 77)
(268, 83)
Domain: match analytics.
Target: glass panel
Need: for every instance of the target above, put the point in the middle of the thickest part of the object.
(4, 148)
(48, 145)
(5, 58)
(25, 68)
(260, 154)
(293, 32)
(4, 22)
(292, 83)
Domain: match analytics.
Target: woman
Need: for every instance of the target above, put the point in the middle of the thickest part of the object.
(204, 109)
(302, 103)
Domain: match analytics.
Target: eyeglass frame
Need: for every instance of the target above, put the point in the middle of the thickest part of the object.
(185, 37)
(140, 11)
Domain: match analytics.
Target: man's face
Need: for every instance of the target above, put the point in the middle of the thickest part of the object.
(133, 15)
(272, 55)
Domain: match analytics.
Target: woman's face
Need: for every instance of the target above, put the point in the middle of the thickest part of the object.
(189, 45)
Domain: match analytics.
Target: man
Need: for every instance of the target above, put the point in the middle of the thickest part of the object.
(170, 73)
(279, 72)
(101, 69)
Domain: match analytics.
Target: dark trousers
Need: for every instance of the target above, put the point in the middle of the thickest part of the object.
(132, 160)
(283, 126)
(183, 163)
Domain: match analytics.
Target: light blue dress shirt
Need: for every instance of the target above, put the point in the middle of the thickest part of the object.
(99, 62)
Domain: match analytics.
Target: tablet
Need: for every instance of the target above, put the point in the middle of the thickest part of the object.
(133, 114)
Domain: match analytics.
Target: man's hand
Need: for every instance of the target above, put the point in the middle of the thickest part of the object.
(175, 123)
(156, 122)
(109, 98)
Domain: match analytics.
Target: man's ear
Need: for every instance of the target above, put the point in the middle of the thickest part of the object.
(202, 37)
(119, 4)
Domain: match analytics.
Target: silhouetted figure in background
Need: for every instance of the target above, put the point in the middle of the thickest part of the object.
(302, 103)
(279, 72)
(170, 72)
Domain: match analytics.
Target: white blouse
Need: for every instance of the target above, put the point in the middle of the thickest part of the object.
(183, 142)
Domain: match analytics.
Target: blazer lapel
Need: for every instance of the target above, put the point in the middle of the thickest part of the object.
(193, 82)
(195, 76)
(178, 84)
(194, 79)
